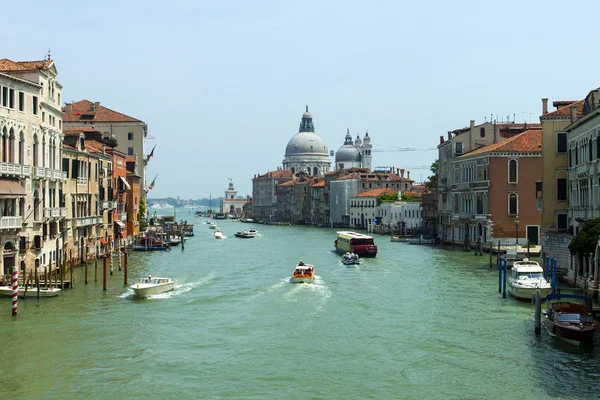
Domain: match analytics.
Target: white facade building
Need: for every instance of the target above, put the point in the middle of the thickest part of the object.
(31, 178)
(306, 151)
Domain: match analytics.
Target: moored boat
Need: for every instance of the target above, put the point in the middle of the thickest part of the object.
(244, 235)
(357, 243)
(149, 286)
(526, 277)
(31, 291)
(303, 273)
(419, 240)
(568, 318)
(398, 239)
(150, 243)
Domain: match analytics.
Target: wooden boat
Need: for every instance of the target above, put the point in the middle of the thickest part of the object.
(357, 243)
(244, 235)
(526, 277)
(31, 291)
(568, 318)
(149, 286)
(303, 273)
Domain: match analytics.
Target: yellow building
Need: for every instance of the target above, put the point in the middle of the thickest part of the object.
(552, 192)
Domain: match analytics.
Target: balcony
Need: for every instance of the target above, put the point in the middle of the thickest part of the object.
(80, 222)
(99, 220)
(582, 213)
(11, 222)
(12, 169)
(581, 170)
(109, 205)
(55, 212)
(462, 215)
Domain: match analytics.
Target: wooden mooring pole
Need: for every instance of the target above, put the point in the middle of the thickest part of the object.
(125, 267)
(104, 272)
(538, 312)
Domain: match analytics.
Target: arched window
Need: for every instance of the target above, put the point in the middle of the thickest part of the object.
(4, 146)
(308, 170)
(513, 204)
(36, 206)
(21, 159)
(293, 170)
(11, 146)
(315, 171)
(482, 132)
(512, 171)
(35, 150)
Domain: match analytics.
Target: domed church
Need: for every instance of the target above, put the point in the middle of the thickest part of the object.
(355, 154)
(306, 151)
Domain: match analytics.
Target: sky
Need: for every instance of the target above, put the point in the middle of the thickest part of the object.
(222, 85)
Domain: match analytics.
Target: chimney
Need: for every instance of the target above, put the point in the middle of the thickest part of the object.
(407, 174)
(573, 113)
(96, 106)
(402, 172)
(472, 124)
(441, 139)
(449, 135)
(70, 107)
(544, 106)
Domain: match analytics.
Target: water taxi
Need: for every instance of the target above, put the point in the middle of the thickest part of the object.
(526, 277)
(244, 235)
(357, 243)
(303, 273)
(348, 259)
(149, 286)
(218, 234)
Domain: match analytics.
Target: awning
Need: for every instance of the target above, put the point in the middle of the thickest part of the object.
(121, 225)
(11, 189)
(125, 183)
(104, 242)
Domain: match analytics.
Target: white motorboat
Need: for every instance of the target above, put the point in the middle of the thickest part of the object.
(420, 240)
(252, 231)
(149, 286)
(218, 234)
(244, 235)
(526, 278)
(174, 240)
(31, 291)
(212, 225)
(303, 273)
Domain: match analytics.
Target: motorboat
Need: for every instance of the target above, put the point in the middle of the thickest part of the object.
(174, 240)
(244, 235)
(303, 273)
(31, 291)
(526, 278)
(350, 259)
(218, 234)
(252, 231)
(420, 240)
(212, 225)
(149, 286)
(568, 318)
(357, 243)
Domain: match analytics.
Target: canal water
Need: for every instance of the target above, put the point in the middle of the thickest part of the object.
(415, 322)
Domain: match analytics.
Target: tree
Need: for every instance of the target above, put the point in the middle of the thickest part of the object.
(142, 209)
(585, 241)
(432, 181)
(387, 197)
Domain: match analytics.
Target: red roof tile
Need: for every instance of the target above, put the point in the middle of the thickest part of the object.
(319, 184)
(79, 110)
(526, 142)
(7, 65)
(376, 192)
(566, 109)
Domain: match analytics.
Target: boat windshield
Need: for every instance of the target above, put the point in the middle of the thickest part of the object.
(530, 275)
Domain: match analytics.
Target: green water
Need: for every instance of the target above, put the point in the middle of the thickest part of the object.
(415, 323)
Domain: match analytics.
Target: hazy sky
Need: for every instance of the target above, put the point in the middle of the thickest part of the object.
(223, 84)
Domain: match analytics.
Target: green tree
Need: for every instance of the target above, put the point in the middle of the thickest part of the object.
(142, 209)
(387, 197)
(585, 241)
(432, 181)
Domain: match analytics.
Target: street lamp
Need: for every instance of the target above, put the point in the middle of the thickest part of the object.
(517, 226)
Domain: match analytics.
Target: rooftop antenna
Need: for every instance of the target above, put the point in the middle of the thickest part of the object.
(514, 118)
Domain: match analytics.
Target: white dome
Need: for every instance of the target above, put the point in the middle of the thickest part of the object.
(306, 143)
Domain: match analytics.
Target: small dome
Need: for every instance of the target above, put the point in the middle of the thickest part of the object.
(307, 115)
(306, 142)
(347, 153)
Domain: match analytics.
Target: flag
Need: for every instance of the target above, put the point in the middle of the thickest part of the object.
(151, 154)
(152, 184)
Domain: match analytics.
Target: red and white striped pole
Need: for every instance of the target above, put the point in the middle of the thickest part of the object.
(15, 289)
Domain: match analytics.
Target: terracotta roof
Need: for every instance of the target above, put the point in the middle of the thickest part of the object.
(81, 110)
(319, 184)
(376, 192)
(526, 142)
(288, 183)
(7, 65)
(78, 130)
(281, 173)
(562, 103)
(566, 109)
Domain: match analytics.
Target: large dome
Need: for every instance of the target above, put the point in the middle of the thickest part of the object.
(306, 142)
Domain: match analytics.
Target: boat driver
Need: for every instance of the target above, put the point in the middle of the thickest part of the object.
(301, 262)
(149, 278)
